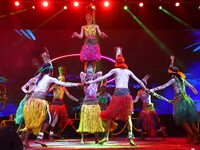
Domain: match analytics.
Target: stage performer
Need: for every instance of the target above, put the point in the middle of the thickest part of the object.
(36, 110)
(90, 121)
(28, 88)
(185, 112)
(148, 119)
(57, 107)
(121, 105)
(90, 52)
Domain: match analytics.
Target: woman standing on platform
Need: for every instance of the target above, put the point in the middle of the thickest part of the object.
(90, 51)
(185, 111)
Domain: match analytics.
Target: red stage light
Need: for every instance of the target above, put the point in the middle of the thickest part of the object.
(45, 3)
(177, 4)
(141, 4)
(76, 4)
(17, 3)
(106, 3)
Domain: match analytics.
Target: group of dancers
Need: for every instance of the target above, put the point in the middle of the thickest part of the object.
(36, 114)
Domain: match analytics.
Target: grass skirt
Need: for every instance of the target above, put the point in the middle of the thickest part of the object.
(61, 111)
(19, 117)
(149, 120)
(90, 121)
(90, 50)
(185, 110)
(35, 113)
(119, 108)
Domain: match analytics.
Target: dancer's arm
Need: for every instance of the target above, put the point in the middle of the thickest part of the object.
(138, 80)
(110, 73)
(171, 61)
(136, 98)
(66, 84)
(163, 86)
(80, 36)
(101, 34)
(161, 97)
(70, 96)
(194, 90)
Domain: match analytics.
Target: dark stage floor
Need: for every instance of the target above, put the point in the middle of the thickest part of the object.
(158, 143)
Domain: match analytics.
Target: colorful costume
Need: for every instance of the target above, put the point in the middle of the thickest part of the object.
(89, 118)
(90, 50)
(184, 107)
(103, 99)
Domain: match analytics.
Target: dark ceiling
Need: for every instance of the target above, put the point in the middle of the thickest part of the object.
(114, 17)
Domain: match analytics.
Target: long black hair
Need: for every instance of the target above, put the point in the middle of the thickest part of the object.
(45, 69)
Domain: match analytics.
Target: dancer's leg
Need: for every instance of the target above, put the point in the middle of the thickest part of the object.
(106, 137)
(26, 143)
(82, 138)
(189, 132)
(130, 129)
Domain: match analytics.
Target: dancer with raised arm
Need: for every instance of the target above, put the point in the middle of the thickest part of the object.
(121, 105)
(37, 115)
(90, 51)
(185, 112)
(90, 121)
(57, 107)
(148, 119)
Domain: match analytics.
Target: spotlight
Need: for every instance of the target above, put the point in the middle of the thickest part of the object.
(106, 3)
(45, 3)
(177, 4)
(65, 7)
(160, 7)
(125, 7)
(141, 4)
(17, 3)
(33, 7)
(76, 4)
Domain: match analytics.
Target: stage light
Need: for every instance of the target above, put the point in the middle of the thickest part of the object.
(177, 4)
(76, 4)
(141, 4)
(65, 7)
(45, 3)
(33, 7)
(17, 3)
(125, 7)
(160, 7)
(106, 3)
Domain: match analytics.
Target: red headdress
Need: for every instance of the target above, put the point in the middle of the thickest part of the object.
(90, 10)
(120, 61)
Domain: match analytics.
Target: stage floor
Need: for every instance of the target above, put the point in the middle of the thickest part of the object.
(157, 143)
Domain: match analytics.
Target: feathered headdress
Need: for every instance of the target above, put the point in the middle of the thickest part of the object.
(61, 72)
(144, 80)
(120, 61)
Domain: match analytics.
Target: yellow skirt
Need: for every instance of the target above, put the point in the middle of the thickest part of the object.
(90, 120)
(35, 113)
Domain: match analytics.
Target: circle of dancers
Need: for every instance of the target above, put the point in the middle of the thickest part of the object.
(35, 115)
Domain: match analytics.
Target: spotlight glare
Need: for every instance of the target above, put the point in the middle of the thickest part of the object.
(65, 7)
(177, 4)
(160, 7)
(76, 4)
(45, 3)
(17, 3)
(141, 4)
(125, 7)
(33, 7)
(106, 3)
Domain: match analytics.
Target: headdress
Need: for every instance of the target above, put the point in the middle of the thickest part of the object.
(175, 70)
(90, 9)
(61, 72)
(144, 80)
(45, 67)
(120, 61)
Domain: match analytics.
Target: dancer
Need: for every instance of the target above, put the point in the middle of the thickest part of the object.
(90, 122)
(121, 105)
(28, 88)
(148, 119)
(36, 110)
(103, 96)
(185, 112)
(58, 108)
(90, 51)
